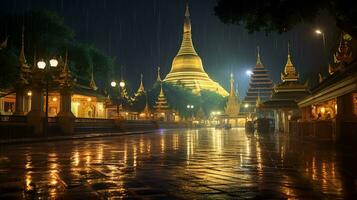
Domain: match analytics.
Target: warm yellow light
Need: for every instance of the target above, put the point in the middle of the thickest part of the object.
(246, 105)
(41, 64)
(54, 99)
(122, 84)
(29, 93)
(322, 109)
(113, 84)
(89, 99)
(53, 62)
(318, 31)
(126, 113)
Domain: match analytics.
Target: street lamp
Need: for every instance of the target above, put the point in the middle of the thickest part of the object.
(320, 32)
(121, 86)
(42, 66)
(190, 108)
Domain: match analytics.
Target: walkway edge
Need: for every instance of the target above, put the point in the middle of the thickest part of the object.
(76, 137)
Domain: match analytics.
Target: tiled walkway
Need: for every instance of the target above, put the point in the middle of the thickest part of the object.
(191, 164)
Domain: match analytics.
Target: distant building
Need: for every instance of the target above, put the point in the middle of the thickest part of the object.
(283, 103)
(260, 85)
(232, 114)
(162, 110)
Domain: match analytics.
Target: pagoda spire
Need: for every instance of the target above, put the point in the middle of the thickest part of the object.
(141, 88)
(187, 12)
(187, 45)
(92, 84)
(161, 92)
(25, 71)
(146, 108)
(289, 73)
(158, 79)
(232, 86)
(66, 76)
(259, 62)
(22, 58)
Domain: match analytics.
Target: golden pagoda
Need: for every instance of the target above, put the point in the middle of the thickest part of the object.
(187, 68)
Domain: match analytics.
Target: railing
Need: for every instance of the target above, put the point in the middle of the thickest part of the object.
(13, 118)
(92, 120)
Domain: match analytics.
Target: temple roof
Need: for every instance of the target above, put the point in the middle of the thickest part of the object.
(289, 73)
(141, 88)
(260, 83)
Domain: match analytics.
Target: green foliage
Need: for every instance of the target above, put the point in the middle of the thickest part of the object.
(48, 36)
(178, 98)
(9, 68)
(281, 16)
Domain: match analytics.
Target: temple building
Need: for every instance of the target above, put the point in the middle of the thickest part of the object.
(162, 110)
(330, 111)
(187, 69)
(260, 85)
(283, 103)
(86, 100)
(232, 110)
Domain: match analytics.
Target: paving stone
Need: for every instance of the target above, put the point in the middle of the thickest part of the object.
(179, 164)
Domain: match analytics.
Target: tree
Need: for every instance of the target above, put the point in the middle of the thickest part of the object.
(281, 16)
(48, 36)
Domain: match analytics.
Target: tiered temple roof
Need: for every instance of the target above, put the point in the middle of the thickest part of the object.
(161, 102)
(187, 69)
(260, 83)
(141, 89)
(289, 90)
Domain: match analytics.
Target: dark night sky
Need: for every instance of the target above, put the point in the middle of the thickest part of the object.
(144, 34)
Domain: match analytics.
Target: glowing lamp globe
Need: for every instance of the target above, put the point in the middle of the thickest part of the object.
(122, 84)
(53, 62)
(41, 64)
(113, 83)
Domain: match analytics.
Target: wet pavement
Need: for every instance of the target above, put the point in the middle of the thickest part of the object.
(179, 164)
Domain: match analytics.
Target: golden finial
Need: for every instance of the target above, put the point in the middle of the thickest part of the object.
(259, 62)
(187, 13)
(158, 75)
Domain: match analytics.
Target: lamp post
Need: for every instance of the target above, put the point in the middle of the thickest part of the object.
(42, 66)
(120, 86)
(320, 32)
(190, 108)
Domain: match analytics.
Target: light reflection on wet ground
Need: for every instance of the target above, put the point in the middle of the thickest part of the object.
(186, 164)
